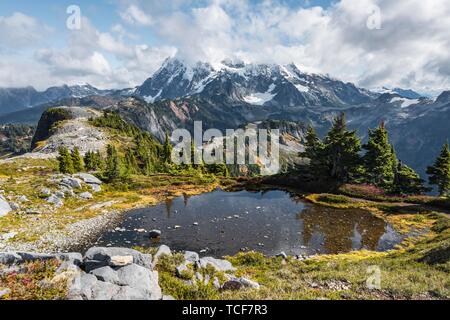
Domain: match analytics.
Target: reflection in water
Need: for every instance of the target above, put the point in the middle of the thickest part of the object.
(271, 221)
(342, 230)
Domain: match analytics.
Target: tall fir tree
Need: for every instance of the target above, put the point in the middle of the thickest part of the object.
(341, 151)
(406, 181)
(439, 172)
(89, 161)
(167, 150)
(99, 162)
(113, 168)
(65, 161)
(314, 151)
(379, 161)
(77, 160)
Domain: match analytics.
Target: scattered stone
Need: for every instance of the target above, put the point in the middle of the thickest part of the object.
(88, 178)
(232, 285)
(23, 199)
(177, 227)
(239, 283)
(32, 212)
(71, 182)
(14, 206)
(154, 233)
(216, 283)
(182, 271)
(55, 200)
(8, 236)
(86, 195)
(195, 223)
(5, 208)
(191, 256)
(45, 192)
(95, 187)
(218, 264)
(4, 292)
(61, 194)
(249, 283)
(282, 254)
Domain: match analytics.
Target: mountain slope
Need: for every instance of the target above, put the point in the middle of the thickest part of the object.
(16, 99)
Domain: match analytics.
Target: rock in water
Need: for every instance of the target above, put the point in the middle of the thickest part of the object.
(154, 234)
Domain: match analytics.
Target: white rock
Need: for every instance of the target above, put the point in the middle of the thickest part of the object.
(5, 208)
(88, 178)
(120, 261)
(86, 195)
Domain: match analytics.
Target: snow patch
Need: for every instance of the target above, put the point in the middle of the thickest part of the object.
(150, 99)
(260, 98)
(301, 88)
(405, 103)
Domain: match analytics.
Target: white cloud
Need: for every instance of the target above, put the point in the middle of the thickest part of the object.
(20, 30)
(134, 15)
(412, 48)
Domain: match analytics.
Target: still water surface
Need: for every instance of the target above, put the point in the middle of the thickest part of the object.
(224, 223)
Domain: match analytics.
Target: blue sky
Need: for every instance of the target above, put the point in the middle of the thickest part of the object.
(372, 43)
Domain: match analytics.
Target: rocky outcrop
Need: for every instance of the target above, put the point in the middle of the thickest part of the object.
(67, 127)
(102, 274)
(126, 274)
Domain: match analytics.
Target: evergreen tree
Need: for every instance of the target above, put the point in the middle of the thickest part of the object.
(379, 162)
(341, 151)
(89, 161)
(65, 161)
(131, 166)
(314, 152)
(407, 181)
(439, 172)
(98, 161)
(167, 150)
(77, 160)
(113, 169)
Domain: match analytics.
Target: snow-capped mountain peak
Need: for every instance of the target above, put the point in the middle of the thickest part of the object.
(249, 83)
